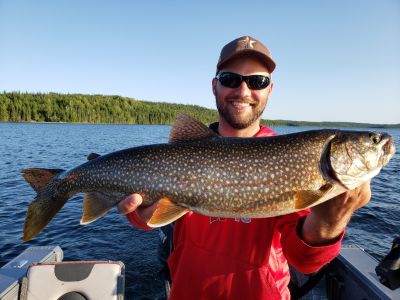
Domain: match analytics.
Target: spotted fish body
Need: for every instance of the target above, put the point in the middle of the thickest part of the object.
(215, 176)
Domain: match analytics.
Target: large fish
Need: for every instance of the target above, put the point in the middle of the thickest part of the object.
(215, 176)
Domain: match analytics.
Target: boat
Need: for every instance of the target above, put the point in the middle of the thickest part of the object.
(41, 273)
(353, 275)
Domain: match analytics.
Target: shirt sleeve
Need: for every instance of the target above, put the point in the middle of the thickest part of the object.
(137, 221)
(305, 258)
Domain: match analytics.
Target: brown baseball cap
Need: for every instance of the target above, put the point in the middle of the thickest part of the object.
(246, 45)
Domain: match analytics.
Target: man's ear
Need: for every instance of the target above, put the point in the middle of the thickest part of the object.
(214, 85)
(271, 86)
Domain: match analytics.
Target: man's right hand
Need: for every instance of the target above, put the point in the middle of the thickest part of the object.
(132, 203)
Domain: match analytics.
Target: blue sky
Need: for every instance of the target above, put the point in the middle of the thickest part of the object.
(336, 60)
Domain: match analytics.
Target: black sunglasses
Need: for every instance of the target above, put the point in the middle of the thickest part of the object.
(233, 80)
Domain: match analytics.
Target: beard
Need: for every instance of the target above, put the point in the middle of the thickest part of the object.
(236, 119)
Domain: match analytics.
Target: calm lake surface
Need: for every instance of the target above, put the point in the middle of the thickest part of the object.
(24, 145)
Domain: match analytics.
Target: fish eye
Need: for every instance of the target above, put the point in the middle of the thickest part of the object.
(375, 137)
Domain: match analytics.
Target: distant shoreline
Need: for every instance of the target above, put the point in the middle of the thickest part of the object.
(54, 108)
(331, 124)
(77, 123)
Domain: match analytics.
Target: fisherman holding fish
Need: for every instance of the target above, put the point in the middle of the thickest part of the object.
(246, 202)
(232, 258)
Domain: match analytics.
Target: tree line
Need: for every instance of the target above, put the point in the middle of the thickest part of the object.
(80, 108)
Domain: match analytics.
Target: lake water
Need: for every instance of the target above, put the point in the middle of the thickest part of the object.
(24, 145)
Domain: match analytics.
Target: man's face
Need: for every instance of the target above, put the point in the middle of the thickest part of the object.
(241, 107)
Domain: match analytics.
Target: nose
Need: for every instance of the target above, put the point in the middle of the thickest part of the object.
(243, 90)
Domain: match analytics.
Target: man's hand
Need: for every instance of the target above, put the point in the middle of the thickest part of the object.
(132, 203)
(327, 221)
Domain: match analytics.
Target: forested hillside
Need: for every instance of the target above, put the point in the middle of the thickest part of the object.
(26, 107)
(80, 108)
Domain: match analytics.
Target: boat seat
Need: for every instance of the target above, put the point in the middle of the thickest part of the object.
(83, 280)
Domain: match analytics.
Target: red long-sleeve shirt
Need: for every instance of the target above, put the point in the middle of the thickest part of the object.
(217, 258)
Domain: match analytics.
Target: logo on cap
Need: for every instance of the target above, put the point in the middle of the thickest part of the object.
(246, 43)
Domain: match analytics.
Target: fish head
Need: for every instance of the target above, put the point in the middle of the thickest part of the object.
(357, 156)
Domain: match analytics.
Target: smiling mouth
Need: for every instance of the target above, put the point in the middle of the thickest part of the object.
(241, 104)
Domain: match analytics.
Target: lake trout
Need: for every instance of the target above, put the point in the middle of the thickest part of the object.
(201, 171)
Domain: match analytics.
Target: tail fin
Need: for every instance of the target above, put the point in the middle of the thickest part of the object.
(38, 178)
(46, 203)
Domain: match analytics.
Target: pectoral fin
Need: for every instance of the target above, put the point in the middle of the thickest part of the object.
(308, 198)
(166, 213)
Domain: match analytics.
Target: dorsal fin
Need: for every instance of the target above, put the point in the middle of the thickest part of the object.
(188, 129)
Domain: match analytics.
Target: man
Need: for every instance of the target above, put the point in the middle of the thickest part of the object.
(216, 258)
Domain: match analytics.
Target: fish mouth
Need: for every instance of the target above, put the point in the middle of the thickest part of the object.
(388, 149)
